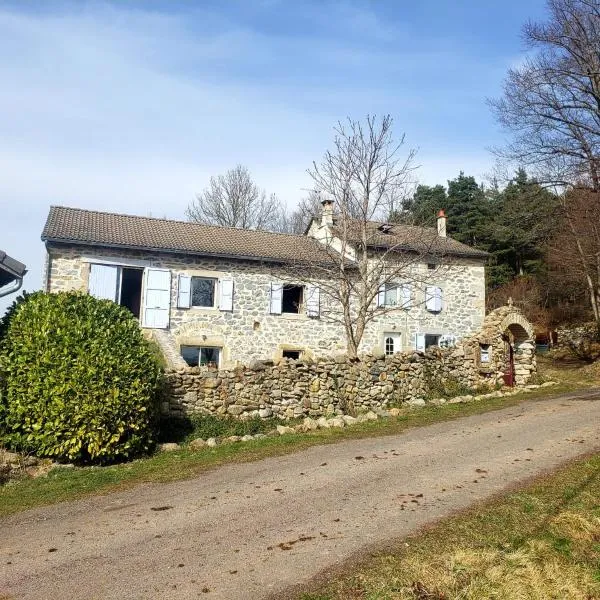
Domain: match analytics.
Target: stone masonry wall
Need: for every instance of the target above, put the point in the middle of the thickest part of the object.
(323, 387)
(336, 385)
(250, 333)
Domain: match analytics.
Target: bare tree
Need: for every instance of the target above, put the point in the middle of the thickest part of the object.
(551, 104)
(234, 200)
(362, 177)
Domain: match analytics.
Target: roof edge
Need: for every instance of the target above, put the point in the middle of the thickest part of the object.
(258, 259)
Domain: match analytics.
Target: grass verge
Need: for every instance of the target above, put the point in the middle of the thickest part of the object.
(63, 484)
(537, 543)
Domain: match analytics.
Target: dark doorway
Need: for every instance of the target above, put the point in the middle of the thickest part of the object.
(293, 354)
(509, 369)
(131, 289)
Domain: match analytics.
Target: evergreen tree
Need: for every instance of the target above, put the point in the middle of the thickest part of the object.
(467, 211)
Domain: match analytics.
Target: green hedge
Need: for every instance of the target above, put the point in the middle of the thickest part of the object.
(78, 381)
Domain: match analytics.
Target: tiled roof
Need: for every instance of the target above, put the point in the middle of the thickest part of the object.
(398, 237)
(87, 227)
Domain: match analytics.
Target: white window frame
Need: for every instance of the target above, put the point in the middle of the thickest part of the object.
(200, 347)
(401, 289)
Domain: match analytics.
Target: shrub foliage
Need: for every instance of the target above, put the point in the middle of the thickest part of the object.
(78, 381)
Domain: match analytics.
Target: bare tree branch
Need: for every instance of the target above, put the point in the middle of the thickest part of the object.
(234, 200)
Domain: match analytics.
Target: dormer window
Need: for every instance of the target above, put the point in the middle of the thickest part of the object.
(385, 227)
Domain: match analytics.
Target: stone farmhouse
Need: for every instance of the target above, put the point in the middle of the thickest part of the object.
(226, 297)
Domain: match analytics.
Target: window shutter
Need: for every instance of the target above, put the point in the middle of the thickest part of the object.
(103, 282)
(430, 301)
(313, 300)
(276, 298)
(405, 295)
(420, 342)
(437, 305)
(226, 294)
(157, 298)
(381, 295)
(184, 291)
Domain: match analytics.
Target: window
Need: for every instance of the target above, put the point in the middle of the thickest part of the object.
(394, 294)
(122, 285)
(484, 353)
(391, 295)
(196, 356)
(391, 343)
(431, 266)
(291, 299)
(432, 340)
(389, 346)
(203, 291)
(293, 354)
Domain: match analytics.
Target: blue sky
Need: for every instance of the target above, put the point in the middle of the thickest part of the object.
(132, 106)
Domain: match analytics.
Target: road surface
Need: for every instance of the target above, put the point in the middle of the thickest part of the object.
(245, 531)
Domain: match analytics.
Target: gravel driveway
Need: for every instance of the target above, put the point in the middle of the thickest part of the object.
(250, 530)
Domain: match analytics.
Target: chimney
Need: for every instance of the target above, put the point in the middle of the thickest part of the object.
(327, 213)
(441, 223)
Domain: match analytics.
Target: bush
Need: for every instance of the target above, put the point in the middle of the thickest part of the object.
(77, 379)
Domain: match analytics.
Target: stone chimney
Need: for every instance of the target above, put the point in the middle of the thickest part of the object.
(441, 223)
(327, 213)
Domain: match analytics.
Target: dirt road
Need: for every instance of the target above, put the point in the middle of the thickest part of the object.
(249, 530)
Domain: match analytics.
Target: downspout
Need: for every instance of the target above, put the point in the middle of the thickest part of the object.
(15, 286)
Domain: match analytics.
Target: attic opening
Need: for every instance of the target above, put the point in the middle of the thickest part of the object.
(291, 299)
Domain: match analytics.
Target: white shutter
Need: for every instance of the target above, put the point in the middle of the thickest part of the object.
(313, 300)
(226, 294)
(420, 342)
(405, 292)
(381, 295)
(103, 283)
(157, 298)
(276, 298)
(430, 298)
(438, 299)
(184, 291)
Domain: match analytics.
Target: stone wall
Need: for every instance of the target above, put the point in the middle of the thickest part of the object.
(335, 385)
(249, 332)
(323, 387)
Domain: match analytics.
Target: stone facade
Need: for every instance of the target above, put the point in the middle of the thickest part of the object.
(327, 386)
(249, 332)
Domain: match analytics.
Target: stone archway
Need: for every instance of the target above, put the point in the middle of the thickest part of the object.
(510, 337)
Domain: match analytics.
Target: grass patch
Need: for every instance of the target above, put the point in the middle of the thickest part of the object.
(539, 543)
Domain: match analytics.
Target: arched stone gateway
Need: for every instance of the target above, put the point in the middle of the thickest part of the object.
(507, 346)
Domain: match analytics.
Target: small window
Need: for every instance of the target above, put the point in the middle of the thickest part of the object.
(203, 291)
(389, 346)
(196, 356)
(431, 266)
(292, 354)
(292, 297)
(484, 353)
(432, 340)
